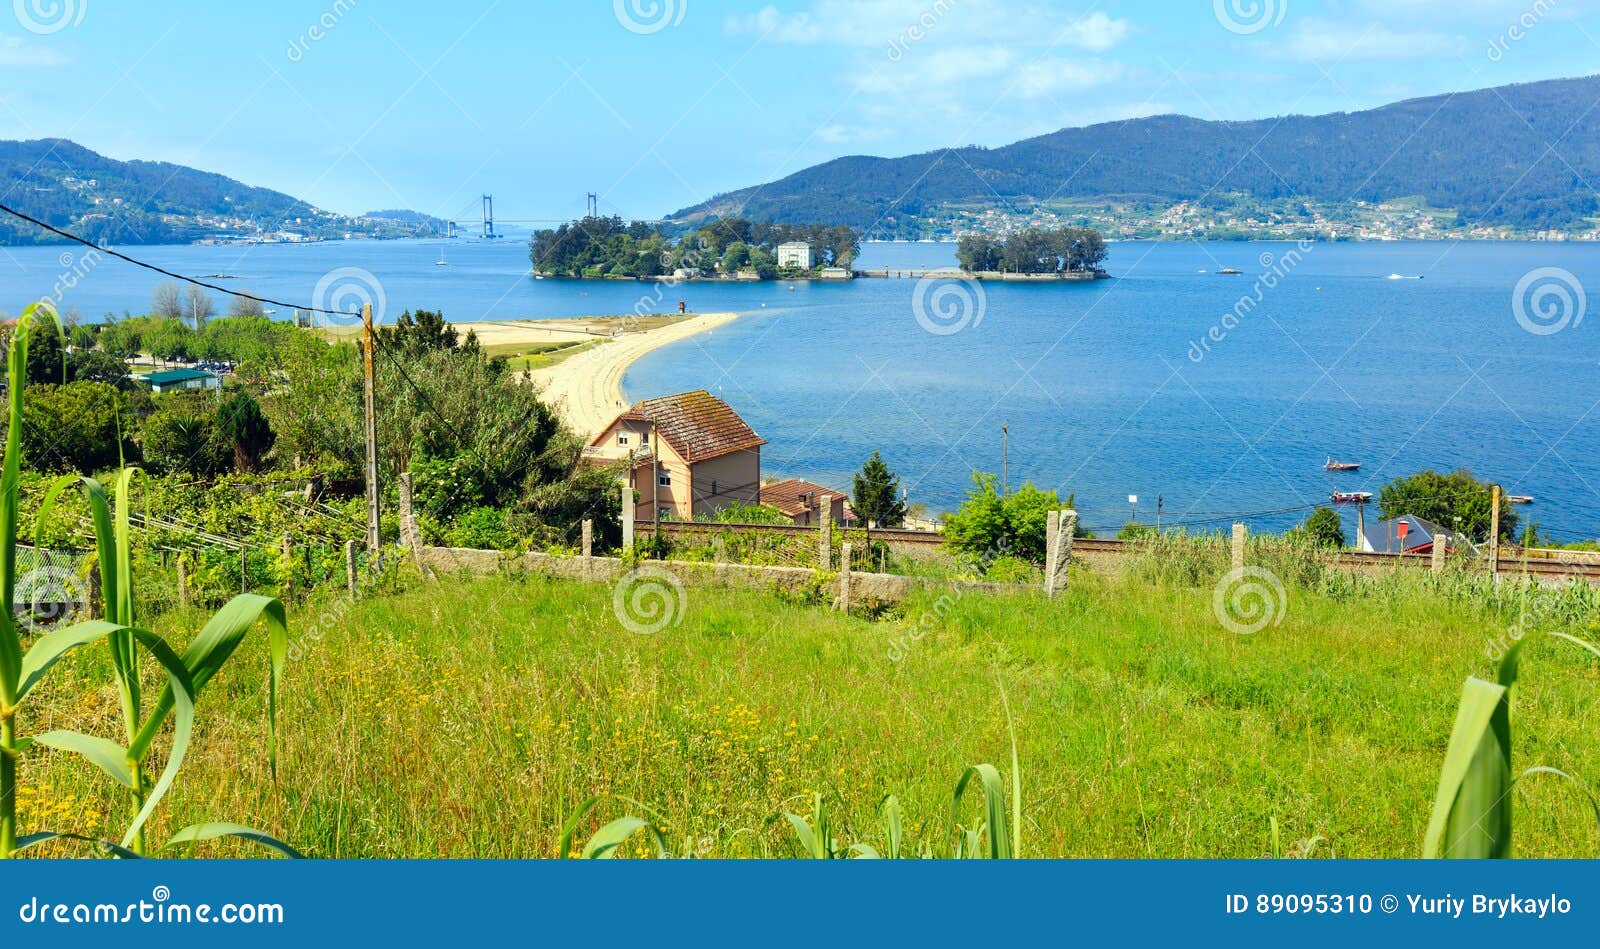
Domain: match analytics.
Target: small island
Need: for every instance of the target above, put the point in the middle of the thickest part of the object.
(1063, 253)
(599, 248)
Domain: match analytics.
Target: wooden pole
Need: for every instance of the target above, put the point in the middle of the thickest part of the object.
(1494, 530)
(183, 581)
(369, 396)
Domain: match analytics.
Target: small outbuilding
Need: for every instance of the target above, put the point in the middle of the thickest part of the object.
(173, 380)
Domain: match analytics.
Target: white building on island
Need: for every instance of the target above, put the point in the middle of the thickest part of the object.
(795, 254)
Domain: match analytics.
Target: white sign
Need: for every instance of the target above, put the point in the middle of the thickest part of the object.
(1133, 499)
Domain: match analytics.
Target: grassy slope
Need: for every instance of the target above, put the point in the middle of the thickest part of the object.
(471, 720)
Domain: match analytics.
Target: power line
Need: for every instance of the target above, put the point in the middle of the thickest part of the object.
(163, 271)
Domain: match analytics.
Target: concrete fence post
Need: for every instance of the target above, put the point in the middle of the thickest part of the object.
(1240, 532)
(588, 549)
(350, 566)
(1440, 543)
(825, 532)
(183, 581)
(628, 512)
(844, 577)
(1060, 527)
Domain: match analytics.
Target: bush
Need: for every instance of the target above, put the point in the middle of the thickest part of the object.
(1013, 570)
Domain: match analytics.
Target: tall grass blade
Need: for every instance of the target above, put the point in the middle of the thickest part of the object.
(994, 799)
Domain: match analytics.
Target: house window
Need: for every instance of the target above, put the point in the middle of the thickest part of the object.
(622, 439)
(664, 479)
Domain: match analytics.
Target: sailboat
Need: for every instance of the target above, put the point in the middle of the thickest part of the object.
(441, 262)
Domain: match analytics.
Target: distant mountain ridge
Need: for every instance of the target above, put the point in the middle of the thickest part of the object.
(150, 202)
(1525, 155)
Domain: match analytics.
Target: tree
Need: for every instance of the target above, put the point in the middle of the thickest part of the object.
(1324, 528)
(182, 436)
(424, 333)
(988, 525)
(168, 338)
(94, 365)
(1457, 502)
(74, 427)
(244, 306)
(876, 494)
(167, 300)
(197, 305)
(735, 257)
(240, 420)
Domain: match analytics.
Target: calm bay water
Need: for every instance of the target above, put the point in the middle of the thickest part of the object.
(1102, 385)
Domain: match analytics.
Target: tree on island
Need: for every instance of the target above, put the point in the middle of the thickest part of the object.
(1456, 502)
(876, 496)
(1034, 251)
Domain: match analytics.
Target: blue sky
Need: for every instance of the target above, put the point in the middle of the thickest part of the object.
(658, 104)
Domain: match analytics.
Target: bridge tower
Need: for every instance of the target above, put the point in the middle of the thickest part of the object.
(488, 217)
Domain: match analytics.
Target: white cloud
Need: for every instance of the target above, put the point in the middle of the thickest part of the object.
(1325, 41)
(880, 23)
(15, 52)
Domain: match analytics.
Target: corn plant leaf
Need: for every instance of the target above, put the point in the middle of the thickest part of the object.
(865, 851)
(52, 646)
(103, 753)
(809, 843)
(33, 840)
(994, 798)
(212, 648)
(1471, 810)
(10, 488)
(196, 833)
(603, 845)
(570, 830)
(893, 826)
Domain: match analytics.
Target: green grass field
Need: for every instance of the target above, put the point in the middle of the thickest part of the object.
(471, 718)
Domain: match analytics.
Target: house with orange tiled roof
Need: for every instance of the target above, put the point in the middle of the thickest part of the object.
(801, 501)
(686, 454)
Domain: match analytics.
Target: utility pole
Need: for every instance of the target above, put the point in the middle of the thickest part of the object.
(370, 410)
(1494, 531)
(1160, 503)
(1005, 459)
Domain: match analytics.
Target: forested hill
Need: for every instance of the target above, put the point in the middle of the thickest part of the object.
(1523, 155)
(149, 202)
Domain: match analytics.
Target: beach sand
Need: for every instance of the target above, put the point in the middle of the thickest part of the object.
(586, 389)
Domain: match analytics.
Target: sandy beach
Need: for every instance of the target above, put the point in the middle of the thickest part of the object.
(586, 388)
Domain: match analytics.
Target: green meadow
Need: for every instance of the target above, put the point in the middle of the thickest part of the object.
(474, 718)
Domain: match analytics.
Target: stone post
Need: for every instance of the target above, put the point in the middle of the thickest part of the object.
(629, 509)
(588, 549)
(1440, 542)
(183, 581)
(1240, 532)
(1060, 528)
(825, 532)
(844, 577)
(350, 566)
(93, 594)
(409, 534)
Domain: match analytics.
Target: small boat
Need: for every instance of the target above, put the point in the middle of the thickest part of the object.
(441, 262)
(1352, 497)
(1332, 465)
(1520, 498)
(1230, 271)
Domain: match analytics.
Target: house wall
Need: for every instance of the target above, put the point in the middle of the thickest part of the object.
(736, 477)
